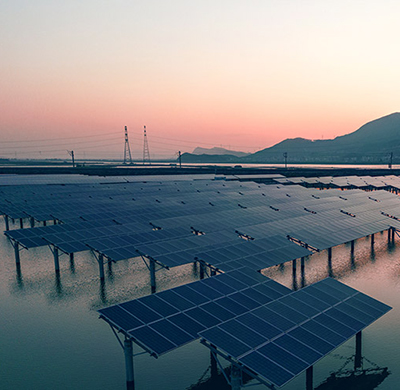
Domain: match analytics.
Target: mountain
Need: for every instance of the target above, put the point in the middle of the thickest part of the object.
(218, 151)
(209, 158)
(371, 143)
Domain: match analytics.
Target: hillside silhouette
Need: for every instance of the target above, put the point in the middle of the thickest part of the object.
(372, 143)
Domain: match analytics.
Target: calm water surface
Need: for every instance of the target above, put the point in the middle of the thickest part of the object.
(51, 337)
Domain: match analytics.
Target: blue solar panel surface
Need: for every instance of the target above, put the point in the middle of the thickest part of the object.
(169, 319)
(284, 337)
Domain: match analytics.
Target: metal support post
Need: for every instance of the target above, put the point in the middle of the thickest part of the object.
(393, 234)
(56, 260)
(44, 223)
(20, 281)
(389, 234)
(309, 378)
(72, 262)
(128, 351)
(7, 221)
(302, 271)
(32, 220)
(213, 365)
(236, 377)
(153, 276)
(201, 270)
(101, 266)
(372, 240)
(330, 272)
(294, 273)
(352, 248)
(21, 223)
(358, 357)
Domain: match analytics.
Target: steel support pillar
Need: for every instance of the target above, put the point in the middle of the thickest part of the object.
(213, 365)
(358, 356)
(21, 223)
(352, 248)
(72, 262)
(393, 234)
(236, 377)
(152, 276)
(294, 274)
(19, 276)
(330, 272)
(32, 220)
(372, 240)
(56, 260)
(44, 223)
(201, 270)
(7, 222)
(128, 351)
(309, 378)
(389, 234)
(101, 266)
(302, 271)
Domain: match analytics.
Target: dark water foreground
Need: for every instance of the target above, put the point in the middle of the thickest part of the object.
(51, 337)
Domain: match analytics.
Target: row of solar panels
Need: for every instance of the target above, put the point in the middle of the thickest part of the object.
(264, 326)
(346, 181)
(126, 240)
(79, 199)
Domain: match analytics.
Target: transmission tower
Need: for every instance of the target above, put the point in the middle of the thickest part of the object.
(146, 153)
(127, 150)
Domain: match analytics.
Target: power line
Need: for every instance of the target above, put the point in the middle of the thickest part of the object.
(58, 139)
(61, 144)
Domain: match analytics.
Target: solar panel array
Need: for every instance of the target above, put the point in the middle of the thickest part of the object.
(111, 219)
(366, 182)
(249, 319)
(280, 339)
(252, 320)
(167, 320)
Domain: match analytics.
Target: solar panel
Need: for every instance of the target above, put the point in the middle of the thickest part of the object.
(282, 338)
(166, 320)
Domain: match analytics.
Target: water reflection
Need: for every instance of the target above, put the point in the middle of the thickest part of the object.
(110, 273)
(58, 286)
(102, 291)
(20, 281)
(214, 379)
(352, 262)
(362, 378)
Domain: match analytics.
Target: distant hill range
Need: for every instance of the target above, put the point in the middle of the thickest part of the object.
(372, 143)
(219, 151)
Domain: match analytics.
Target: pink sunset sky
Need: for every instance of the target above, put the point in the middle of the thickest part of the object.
(239, 74)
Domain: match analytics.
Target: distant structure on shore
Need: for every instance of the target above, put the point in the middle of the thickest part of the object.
(127, 149)
(146, 153)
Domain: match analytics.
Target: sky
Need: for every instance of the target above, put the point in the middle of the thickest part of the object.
(243, 75)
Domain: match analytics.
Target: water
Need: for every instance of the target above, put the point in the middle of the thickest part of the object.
(51, 337)
(310, 166)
